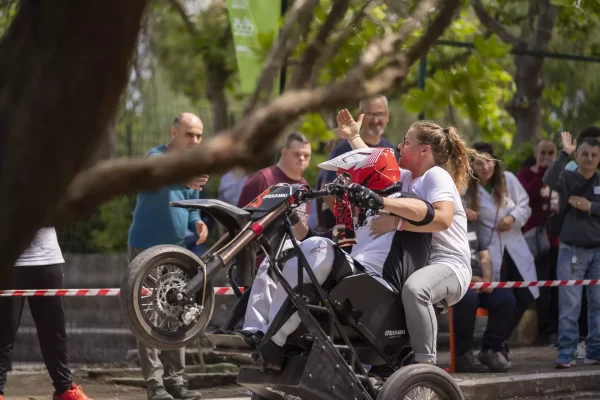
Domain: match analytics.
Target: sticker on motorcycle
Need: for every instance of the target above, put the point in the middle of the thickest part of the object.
(271, 198)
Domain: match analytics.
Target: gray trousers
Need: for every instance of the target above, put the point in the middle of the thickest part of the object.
(159, 367)
(430, 285)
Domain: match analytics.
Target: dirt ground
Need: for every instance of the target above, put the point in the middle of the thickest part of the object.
(39, 387)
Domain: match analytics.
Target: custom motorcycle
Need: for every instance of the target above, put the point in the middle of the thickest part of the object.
(352, 343)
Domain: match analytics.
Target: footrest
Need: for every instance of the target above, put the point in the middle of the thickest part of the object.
(225, 341)
(231, 347)
(236, 356)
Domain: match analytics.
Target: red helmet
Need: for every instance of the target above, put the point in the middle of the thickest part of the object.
(372, 167)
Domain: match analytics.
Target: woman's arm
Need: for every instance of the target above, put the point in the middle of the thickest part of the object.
(442, 219)
(411, 209)
(522, 210)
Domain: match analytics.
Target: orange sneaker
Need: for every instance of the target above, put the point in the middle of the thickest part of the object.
(75, 393)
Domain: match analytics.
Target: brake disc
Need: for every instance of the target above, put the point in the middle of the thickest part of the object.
(166, 282)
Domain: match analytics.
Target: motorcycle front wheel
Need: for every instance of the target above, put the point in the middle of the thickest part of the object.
(151, 318)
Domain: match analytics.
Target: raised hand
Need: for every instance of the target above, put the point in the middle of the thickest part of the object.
(347, 127)
(197, 182)
(568, 143)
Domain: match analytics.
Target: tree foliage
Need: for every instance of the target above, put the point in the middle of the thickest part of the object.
(471, 87)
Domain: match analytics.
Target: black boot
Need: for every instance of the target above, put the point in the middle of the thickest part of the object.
(179, 392)
(159, 393)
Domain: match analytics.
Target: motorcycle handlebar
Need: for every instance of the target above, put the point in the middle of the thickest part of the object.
(331, 189)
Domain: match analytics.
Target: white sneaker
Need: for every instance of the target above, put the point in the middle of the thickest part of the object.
(591, 361)
(581, 350)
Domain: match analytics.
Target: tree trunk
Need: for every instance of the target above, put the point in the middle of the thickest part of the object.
(62, 72)
(215, 91)
(526, 105)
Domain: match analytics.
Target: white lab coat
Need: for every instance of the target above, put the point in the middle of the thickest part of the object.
(516, 203)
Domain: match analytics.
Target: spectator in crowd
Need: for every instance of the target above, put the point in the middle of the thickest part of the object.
(500, 204)
(40, 267)
(295, 158)
(543, 202)
(499, 303)
(579, 251)
(589, 132)
(231, 185)
(376, 116)
(156, 223)
(230, 188)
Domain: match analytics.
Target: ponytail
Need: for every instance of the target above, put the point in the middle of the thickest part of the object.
(449, 151)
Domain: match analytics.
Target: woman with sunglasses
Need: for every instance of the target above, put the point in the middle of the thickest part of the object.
(435, 166)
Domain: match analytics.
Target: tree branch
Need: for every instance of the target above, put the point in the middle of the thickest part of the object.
(448, 63)
(189, 25)
(305, 70)
(301, 11)
(545, 25)
(336, 44)
(435, 30)
(493, 25)
(387, 29)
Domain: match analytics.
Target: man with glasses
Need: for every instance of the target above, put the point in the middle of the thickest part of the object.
(375, 117)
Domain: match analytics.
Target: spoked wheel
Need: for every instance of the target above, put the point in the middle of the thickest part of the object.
(420, 382)
(149, 280)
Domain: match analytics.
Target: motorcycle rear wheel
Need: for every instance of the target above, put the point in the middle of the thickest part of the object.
(420, 381)
(182, 264)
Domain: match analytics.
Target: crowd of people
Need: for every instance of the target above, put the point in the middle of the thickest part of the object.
(485, 224)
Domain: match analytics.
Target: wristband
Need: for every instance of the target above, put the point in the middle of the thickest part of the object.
(353, 137)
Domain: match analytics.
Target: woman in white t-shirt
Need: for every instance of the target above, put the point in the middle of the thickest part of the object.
(436, 167)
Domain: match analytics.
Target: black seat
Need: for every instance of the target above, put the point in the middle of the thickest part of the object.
(231, 217)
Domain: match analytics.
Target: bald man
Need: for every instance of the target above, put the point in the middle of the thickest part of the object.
(155, 223)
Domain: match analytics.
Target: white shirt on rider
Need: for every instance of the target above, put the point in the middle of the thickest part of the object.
(372, 253)
(451, 246)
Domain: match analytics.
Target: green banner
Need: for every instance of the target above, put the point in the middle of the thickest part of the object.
(248, 18)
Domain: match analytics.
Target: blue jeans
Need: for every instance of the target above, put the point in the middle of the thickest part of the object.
(500, 305)
(569, 301)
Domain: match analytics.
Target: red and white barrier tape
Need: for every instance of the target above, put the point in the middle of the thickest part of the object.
(523, 284)
(228, 290)
(85, 292)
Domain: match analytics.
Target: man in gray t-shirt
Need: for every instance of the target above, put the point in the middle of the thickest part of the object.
(40, 267)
